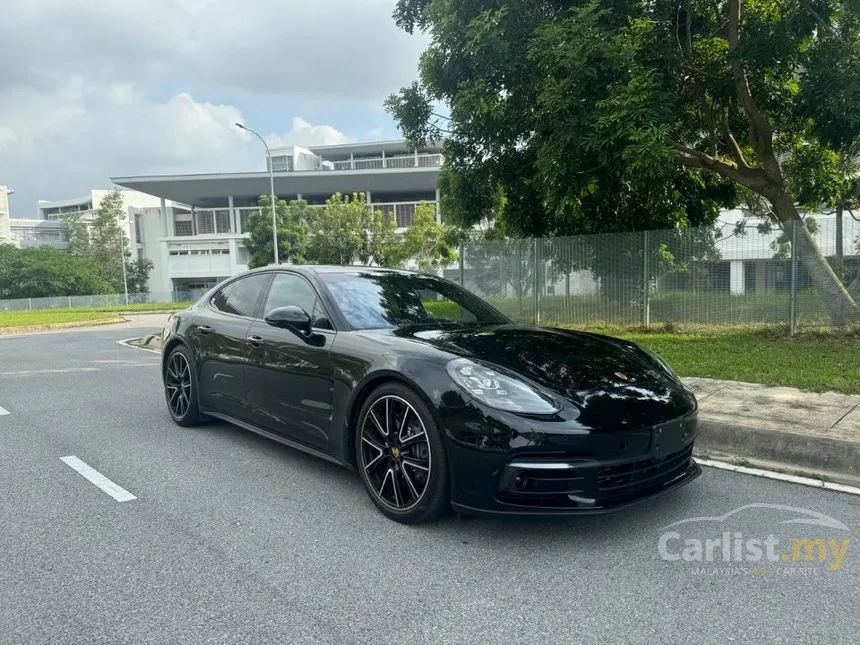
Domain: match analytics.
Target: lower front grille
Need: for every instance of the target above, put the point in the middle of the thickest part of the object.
(622, 479)
(588, 484)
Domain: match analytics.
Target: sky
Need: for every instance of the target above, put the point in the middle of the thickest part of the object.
(91, 89)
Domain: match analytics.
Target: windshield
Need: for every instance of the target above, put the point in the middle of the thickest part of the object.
(385, 300)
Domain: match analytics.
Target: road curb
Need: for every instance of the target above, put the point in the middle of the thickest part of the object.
(828, 458)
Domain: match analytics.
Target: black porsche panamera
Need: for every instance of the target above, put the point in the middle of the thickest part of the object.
(430, 393)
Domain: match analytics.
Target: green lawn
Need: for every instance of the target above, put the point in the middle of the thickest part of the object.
(10, 319)
(817, 361)
(40, 317)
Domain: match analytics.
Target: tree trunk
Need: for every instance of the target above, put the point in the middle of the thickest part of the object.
(836, 298)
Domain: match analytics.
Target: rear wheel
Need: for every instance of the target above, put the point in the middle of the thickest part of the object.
(180, 387)
(400, 455)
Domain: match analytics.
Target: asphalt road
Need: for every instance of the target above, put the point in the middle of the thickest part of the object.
(233, 538)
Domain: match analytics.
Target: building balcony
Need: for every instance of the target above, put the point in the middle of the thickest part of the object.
(397, 161)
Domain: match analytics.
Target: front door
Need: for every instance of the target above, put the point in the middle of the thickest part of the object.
(288, 380)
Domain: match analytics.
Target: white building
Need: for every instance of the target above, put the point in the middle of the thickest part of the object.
(48, 228)
(194, 234)
(5, 233)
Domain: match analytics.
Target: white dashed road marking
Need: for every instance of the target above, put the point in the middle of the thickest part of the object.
(97, 479)
(3, 411)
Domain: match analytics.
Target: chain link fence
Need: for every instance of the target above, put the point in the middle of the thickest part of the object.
(736, 275)
(93, 302)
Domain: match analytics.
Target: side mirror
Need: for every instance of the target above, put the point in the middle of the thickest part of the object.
(294, 318)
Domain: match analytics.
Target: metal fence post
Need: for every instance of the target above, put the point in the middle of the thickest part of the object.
(792, 320)
(462, 253)
(646, 283)
(537, 282)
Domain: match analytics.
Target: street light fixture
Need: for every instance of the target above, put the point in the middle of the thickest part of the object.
(271, 187)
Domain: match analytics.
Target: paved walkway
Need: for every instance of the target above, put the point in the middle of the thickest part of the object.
(809, 432)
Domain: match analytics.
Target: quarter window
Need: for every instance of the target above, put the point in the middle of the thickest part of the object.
(242, 296)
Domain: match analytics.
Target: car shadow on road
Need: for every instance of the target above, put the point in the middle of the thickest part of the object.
(343, 491)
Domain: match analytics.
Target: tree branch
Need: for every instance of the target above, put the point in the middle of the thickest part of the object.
(753, 178)
(736, 149)
(761, 135)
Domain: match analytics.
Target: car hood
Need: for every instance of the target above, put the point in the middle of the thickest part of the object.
(593, 372)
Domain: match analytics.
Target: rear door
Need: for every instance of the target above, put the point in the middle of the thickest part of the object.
(219, 333)
(288, 380)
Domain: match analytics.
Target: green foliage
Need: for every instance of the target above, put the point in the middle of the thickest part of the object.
(603, 116)
(293, 230)
(344, 231)
(102, 242)
(338, 231)
(427, 241)
(44, 272)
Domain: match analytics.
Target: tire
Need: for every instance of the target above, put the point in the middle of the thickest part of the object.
(405, 471)
(180, 388)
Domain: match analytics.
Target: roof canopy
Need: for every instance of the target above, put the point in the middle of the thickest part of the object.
(212, 190)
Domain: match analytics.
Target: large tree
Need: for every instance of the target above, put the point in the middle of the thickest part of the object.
(101, 240)
(607, 116)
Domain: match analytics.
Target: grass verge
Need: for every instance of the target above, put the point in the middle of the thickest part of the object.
(57, 317)
(813, 360)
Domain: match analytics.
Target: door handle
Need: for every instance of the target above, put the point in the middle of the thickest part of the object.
(204, 329)
(255, 341)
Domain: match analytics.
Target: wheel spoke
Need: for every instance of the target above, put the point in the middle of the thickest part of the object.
(378, 425)
(412, 438)
(396, 487)
(387, 418)
(372, 443)
(384, 480)
(403, 425)
(409, 483)
(415, 464)
(374, 461)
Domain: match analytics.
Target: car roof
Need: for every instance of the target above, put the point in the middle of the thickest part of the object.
(330, 268)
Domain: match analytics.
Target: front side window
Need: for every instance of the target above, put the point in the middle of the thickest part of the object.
(241, 296)
(373, 300)
(291, 289)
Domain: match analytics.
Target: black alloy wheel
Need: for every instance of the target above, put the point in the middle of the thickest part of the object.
(180, 388)
(400, 456)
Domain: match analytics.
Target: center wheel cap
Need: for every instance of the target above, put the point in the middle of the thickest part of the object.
(395, 452)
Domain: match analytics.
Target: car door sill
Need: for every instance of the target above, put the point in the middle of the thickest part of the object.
(276, 437)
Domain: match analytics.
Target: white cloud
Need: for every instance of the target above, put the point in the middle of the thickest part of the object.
(60, 144)
(341, 49)
(96, 88)
(307, 134)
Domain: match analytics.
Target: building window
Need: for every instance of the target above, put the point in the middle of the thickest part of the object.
(205, 222)
(182, 224)
(282, 163)
(222, 221)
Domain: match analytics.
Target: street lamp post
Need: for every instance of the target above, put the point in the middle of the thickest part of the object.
(271, 187)
(122, 262)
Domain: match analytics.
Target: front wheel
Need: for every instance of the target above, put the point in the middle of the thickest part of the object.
(400, 456)
(180, 387)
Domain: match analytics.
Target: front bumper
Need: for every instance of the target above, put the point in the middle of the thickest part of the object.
(574, 475)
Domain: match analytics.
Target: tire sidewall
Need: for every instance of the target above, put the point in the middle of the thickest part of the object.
(192, 415)
(437, 496)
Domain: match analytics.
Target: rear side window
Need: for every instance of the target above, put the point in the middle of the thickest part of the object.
(242, 296)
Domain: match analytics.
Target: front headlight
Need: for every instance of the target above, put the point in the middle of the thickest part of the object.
(498, 390)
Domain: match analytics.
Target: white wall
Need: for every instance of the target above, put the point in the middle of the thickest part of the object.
(5, 234)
